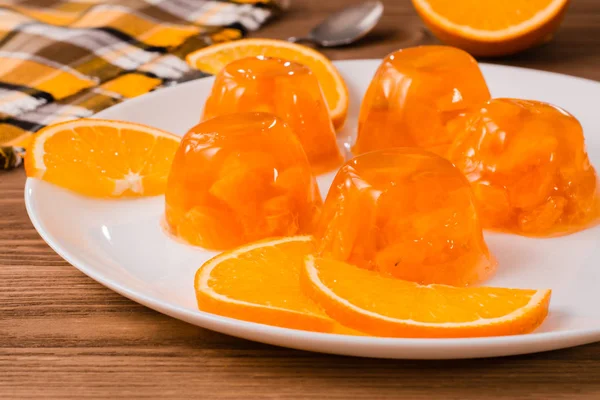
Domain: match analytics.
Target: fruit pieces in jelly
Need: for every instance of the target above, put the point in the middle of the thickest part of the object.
(286, 89)
(240, 178)
(527, 164)
(414, 95)
(408, 213)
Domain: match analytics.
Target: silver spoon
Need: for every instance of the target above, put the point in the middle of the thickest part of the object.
(345, 26)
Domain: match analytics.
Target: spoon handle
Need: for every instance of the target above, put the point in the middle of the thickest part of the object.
(295, 39)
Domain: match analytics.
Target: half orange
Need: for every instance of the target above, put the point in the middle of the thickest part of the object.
(492, 27)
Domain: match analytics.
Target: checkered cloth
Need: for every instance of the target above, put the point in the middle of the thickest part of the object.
(68, 59)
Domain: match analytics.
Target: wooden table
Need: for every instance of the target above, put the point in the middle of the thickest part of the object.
(62, 335)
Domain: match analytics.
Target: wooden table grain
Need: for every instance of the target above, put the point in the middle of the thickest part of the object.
(62, 335)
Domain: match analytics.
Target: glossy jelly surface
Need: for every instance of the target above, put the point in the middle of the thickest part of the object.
(413, 96)
(240, 178)
(528, 167)
(286, 89)
(408, 213)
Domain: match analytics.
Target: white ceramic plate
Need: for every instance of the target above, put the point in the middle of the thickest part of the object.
(120, 243)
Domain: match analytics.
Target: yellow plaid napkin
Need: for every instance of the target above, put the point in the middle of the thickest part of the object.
(68, 59)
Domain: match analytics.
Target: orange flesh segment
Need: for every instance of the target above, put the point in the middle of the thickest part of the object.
(283, 88)
(103, 158)
(414, 95)
(407, 213)
(528, 167)
(492, 16)
(213, 59)
(260, 283)
(240, 178)
(382, 306)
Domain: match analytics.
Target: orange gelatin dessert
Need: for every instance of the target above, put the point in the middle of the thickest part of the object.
(286, 89)
(407, 213)
(414, 95)
(528, 167)
(239, 178)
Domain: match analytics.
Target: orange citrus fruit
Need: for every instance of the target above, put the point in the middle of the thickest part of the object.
(492, 27)
(102, 158)
(213, 59)
(366, 301)
(259, 282)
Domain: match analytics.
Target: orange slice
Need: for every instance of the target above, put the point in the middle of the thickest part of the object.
(260, 283)
(492, 27)
(103, 158)
(383, 306)
(213, 58)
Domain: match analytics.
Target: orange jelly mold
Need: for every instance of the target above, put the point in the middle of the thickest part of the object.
(286, 89)
(408, 213)
(528, 167)
(240, 178)
(413, 96)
